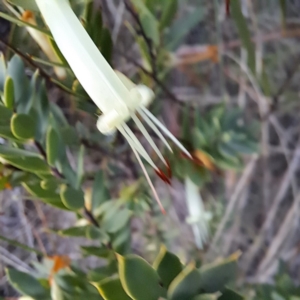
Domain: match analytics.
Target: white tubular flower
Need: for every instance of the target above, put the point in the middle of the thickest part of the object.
(198, 217)
(117, 97)
(43, 41)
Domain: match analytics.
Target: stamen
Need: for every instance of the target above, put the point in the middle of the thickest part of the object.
(135, 143)
(165, 130)
(147, 136)
(149, 181)
(154, 128)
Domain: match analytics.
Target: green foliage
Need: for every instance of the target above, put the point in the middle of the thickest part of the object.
(111, 288)
(27, 285)
(148, 20)
(138, 278)
(167, 265)
(131, 278)
(41, 137)
(218, 140)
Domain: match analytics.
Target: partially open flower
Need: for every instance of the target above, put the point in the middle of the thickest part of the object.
(43, 41)
(117, 97)
(198, 218)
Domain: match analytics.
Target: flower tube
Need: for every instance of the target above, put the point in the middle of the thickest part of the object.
(117, 97)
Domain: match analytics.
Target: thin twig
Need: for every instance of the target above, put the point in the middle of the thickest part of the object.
(282, 190)
(278, 240)
(290, 74)
(91, 217)
(234, 198)
(44, 74)
(168, 92)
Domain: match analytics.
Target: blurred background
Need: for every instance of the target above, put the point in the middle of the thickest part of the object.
(227, 85)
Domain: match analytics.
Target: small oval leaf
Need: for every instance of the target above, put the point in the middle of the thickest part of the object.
(9, 93)
(167, 265)
(138, 278)
(186, 285)
(71, 198)
(52, 146)
(26, 284)
(111, 289)
(23, 126)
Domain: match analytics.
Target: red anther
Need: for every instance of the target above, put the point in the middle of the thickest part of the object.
(183, 155)
(163, 176)
(194, 159)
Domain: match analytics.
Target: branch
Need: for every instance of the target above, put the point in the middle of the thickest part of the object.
(154, 77)
(44, 74)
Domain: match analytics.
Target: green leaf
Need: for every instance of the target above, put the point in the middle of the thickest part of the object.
(25, 160)
(96, 251)
(52, 146)
(27, 285)
(6, 115)
(117, 222)
(100, 192)
(111, 289)
(96, 233)
(2, 71)
(6, 151)
(26, 4)
(186, 285)
(244, 33)
(72, 198)
(9, 93)
(169, 12)
(49, 184)
(167, 265)
(121, 241)
(182, 27)
(16, 71)
(6, 133)
(69, 135)
(106, 44)
(207, 297)
(80, 167)
(71, 287)
(138, 278)
(23, 126)
(47, 196)
(149, 22)
(58, 114)
(228, 152)
(229, 294)
(94, 24)
(76, 231)
(215, 276)
(41, 105)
